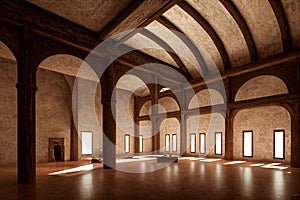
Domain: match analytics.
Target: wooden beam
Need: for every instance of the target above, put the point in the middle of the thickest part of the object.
(167, 48)
(156, 15)
(132, 16)
(117, 21)
(209, 29)
(187, 41)
(253, 66)
(235, 13)
(283, 24)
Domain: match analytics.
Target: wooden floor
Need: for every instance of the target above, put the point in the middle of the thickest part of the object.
(187, 179)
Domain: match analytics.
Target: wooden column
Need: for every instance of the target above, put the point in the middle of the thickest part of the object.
(228, 122)
(74, 121)
(295, 136)
(183, 135)
(109, 121)
(26, 87)
(154, 120)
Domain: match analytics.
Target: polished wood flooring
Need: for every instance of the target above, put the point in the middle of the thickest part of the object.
(187, 179)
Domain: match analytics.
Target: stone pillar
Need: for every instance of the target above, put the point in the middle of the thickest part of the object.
(295, 136)
(109, 122)
(136, 137)
(26, 87)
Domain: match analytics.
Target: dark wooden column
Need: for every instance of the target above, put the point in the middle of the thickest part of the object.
(136, 128)
(228, 122)
(26, 87)
(109, 112)
(183, 135)
(74, 122)
(295, 136)
(183, 118)
(154, 120)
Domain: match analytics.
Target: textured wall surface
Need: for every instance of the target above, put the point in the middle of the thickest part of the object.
(167, 104)
(124, 120)
(208, 124)
(53, 112)
(206, 97)
(8, 107)
(169, 126)
(261, 86)
(90, 113)
(145, 129)
(262, 121)
(145, 108)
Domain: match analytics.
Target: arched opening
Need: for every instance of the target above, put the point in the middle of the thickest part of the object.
(263, 123)
(261, 86)
(206, 97)
(170, 136)
(127, 87)
(8, 106)
(167, 104)
(206, 135)
(58, 117)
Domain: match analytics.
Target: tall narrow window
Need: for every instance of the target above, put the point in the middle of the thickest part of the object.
(218, 140)
(86, 143)
(193, 143)
(167, 142)
(127, 143)
(247, 143)
(202, 143)
(279, 147)
(174, 142)
(141, 143)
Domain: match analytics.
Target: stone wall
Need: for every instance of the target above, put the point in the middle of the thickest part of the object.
(208, 124)
(261, 86)
(169, 126)
(90, 114)
(8, 116)
(53, 112)
(145, 129)
(262, 121)
(124, 120)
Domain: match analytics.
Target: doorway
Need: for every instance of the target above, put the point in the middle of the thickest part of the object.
(56, 149)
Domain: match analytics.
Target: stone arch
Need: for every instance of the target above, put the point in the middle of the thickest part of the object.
(262, 120)
(127, 87)
(206, 97)
(58, 73)
(8, 105)
(261, 86)
(168, 104)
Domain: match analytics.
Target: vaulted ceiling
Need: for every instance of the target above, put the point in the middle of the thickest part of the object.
(233, 33)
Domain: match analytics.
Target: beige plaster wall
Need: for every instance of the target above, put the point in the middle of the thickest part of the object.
(53, 112)
(90, 114)
(124, 120)
(169, 126)
(167, 104)
(145, 108)
(8, 116)
(261, 86)
(145, 129)
(206, 97)
(208, 124)
(262, 121)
